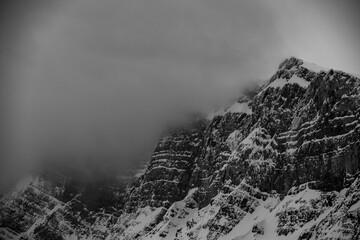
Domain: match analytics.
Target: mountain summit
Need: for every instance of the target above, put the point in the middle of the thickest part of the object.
(282, 164)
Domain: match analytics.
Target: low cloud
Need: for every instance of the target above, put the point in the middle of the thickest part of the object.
(97, 81)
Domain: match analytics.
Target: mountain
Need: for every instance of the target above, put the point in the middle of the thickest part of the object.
(282, 163)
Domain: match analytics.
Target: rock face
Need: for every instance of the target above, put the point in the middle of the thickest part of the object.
(168, 174)
(50, 206)
(282, 164)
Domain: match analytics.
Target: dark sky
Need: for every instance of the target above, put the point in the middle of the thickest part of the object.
(94, 82)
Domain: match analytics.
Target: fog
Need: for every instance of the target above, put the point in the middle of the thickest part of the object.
(94, 83)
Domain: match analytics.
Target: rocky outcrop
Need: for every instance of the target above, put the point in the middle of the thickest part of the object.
(168, 173)
(282, 163)
(50, 206)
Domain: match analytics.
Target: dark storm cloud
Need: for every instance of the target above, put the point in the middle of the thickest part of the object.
(94, 83)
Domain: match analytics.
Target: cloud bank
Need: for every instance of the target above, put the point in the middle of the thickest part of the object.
(94, 83)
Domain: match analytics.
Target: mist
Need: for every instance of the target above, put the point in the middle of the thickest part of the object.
(94, 84)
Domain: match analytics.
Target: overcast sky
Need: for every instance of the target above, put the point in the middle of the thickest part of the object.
(94, 82)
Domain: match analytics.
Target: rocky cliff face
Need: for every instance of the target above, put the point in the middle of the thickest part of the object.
(169, 171)
(51, 206)
(283, 164)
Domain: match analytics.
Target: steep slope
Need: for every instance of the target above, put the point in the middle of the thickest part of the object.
(302, 130)
(168, 173)
(283, 164)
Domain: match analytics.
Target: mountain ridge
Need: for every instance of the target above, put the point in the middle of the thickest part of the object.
(282, 164)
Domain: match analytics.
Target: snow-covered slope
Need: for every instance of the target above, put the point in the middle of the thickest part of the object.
(283, 164)
(247, 214)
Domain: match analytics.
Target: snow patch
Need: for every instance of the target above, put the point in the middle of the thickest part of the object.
(278, 83)
(355, 206)
(144, 217)
(300, 81)
(314, 67)
(235, 108)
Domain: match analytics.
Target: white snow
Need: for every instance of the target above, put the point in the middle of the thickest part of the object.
(355, 206)
(314, 67)
(175, 219)
(144, 217)
(281, 82)
(243, 229)
(235, 108)
(269, 220)
(302, 82)
(278, 83)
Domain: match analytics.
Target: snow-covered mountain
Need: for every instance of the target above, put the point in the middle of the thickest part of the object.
(283, 164)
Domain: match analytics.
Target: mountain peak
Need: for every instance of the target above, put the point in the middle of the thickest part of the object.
(294, 71)
(288, 63)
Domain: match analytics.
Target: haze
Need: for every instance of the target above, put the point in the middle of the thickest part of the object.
(95, 83)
